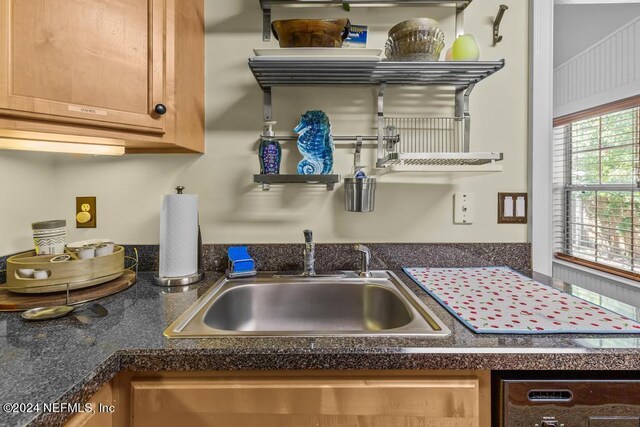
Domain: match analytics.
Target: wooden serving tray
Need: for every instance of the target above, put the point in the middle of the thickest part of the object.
(10, 301)
(78, 273)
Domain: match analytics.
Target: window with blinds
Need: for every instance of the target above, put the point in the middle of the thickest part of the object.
(596, 187)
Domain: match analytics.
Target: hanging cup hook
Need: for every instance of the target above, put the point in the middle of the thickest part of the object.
(497, 38)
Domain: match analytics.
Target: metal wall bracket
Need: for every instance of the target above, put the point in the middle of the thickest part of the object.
(356, 155)
(267, 109)
(459, 21)
(380, 115)
(497, 38)
(462, 110)
(266, 22)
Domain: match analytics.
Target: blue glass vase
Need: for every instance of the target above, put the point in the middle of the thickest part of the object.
(315, 143)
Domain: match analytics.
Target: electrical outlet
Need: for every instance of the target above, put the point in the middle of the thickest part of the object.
(463, 208)
(86, 212)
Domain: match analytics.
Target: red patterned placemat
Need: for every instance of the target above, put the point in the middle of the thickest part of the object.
(498, 300)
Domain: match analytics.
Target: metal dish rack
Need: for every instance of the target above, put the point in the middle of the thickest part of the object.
(430, 141)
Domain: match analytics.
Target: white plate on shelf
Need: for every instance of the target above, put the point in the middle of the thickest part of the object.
(324, 53)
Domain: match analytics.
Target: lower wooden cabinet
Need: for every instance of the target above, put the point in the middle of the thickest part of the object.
(299, 399)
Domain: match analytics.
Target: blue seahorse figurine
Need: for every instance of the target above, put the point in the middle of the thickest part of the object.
(315, 143)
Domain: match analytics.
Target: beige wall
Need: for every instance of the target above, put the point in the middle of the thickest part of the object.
(27, 195)
(410, 208)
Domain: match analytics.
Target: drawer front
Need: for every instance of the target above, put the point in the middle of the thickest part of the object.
(301, 402)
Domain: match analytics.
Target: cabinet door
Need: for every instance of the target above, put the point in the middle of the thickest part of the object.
(301, 402)
(92, 62)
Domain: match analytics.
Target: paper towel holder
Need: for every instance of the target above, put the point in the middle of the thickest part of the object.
(184, 280)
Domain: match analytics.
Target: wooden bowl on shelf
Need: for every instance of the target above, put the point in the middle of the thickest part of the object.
(77, 273)
(311, 32)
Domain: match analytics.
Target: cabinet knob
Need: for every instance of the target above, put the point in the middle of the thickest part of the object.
(160, 109)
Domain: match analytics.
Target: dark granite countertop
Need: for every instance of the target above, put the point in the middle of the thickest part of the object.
(66, 360)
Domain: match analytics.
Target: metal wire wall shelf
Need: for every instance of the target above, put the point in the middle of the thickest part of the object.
(339, 72)
(412, 142)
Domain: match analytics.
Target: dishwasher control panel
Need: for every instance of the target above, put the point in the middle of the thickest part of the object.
(568, 403)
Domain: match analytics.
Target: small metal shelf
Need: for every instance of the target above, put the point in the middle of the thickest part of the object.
(343, 72)
(268, 180)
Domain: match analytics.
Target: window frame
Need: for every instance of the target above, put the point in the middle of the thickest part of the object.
(599, 111)
(540, 227)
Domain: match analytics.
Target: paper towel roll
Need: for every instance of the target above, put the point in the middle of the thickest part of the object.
(179, 235)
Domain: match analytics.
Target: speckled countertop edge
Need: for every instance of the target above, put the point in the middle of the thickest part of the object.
(216, 360)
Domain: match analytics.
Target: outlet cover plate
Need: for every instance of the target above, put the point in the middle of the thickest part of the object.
(463, 208)
(81, 206)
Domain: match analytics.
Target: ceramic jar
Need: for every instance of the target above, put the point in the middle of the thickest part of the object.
(49, 236)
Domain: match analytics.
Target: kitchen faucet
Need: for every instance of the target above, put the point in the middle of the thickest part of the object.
(309, 254)
(310, 257)
(365, 258)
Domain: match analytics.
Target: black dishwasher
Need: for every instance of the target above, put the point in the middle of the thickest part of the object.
(556, 399)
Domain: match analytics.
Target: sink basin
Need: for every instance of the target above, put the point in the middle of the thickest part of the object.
(275, 305)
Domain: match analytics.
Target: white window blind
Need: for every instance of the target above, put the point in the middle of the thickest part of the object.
(596, 189)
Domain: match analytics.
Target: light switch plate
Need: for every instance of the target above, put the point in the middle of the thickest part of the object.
(512, 208)
(463, 208)
(86, 212)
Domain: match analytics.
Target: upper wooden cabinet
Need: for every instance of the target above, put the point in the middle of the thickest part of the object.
(121, 72)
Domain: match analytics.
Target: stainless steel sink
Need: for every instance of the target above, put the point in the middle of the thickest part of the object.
(276, 305)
